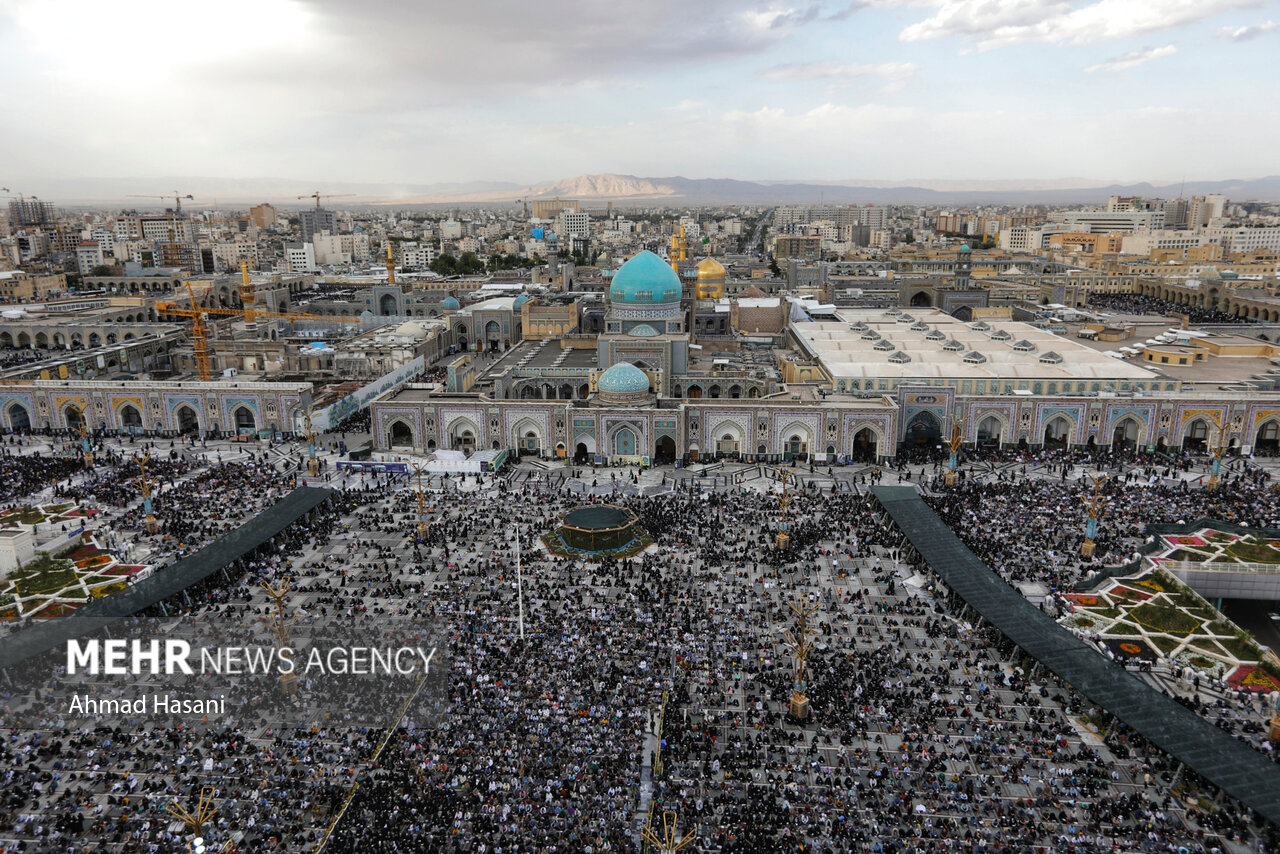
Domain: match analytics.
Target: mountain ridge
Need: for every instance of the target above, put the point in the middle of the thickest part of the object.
(620, 188)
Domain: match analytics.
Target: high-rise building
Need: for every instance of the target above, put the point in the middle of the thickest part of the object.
(263, 215)
(312, 221)
(543, 209)
(30, 212)
(573, 224)
(1175, 213)
(1205, 209)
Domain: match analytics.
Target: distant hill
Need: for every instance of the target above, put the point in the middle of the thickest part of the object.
(623, 189)
(723, 190)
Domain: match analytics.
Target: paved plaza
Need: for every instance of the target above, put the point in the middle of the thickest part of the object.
(653, 684)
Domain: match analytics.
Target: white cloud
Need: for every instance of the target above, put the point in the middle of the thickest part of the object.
(997, 23)
(835, 71)
(1244, 34)
(1133, 59)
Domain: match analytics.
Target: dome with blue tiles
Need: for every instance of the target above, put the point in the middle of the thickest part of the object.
(519, 301)
(623, 383)
(644, 280)
(450, 304)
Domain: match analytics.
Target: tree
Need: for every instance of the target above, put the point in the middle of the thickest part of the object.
(444, 265)
(102, 270)
(469, 264)
(910, 238)
(774, 268)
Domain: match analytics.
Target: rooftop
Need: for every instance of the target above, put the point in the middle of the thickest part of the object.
(927, 344)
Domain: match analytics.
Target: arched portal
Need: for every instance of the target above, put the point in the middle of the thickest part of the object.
(1125, 436)
(924, 429)
(244, 419)
(625, 442)
(989, 432)
(493, 335)
(130, 417)
(921, 299)
(529, 442)
(73, 417)
(665, 450)
(387, 305)
(728, 444)
(527, 438)
(188, 420)
(1196, 438)
(19, 417)
(400, 435)
(1057, 433)
(1268, 439)
(866, 445)
(463, 438)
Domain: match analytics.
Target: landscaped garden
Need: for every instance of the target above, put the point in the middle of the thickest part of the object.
(1210, 546)
(43, 513)
(1153, 616)
(54, 585)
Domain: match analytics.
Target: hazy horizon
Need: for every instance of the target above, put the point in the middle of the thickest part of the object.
(381, 92)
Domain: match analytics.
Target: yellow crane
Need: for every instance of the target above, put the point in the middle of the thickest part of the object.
(200, 330)
(317, 195)
(176, 196)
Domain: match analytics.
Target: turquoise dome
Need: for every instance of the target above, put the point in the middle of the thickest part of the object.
(623, 378)
(450, 304)
(519, 301)
(645, 278)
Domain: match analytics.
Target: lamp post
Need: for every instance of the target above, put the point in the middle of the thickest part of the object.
(313, 465)
(801, 643)
(85, 446)
(784, 501)
(196, 821)
(670, 841)
(422, 512)
(957, 439)
(1095, 506)
(280, 625)
(1219, 450)
(144, 487)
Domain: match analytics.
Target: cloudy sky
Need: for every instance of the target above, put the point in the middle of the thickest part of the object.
(432, 91)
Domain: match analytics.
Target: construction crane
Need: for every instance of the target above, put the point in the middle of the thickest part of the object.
(200, 330)
(176, 196)
(317, 195)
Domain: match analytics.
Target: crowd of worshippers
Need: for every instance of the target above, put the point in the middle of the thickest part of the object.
(924, 736)
(922, 739)
(1139, 304)
(993, 515)
(74, 785)
(24, 476)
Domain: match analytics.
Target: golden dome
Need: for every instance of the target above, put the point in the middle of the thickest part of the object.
(710, 268)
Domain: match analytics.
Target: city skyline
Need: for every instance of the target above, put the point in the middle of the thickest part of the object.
(877, 91)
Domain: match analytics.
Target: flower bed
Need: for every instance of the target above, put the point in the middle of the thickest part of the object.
(124, 569)
(1129, 594)
(1251, 677)
(1131, 649)
(52, 586)
(1208, 665)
